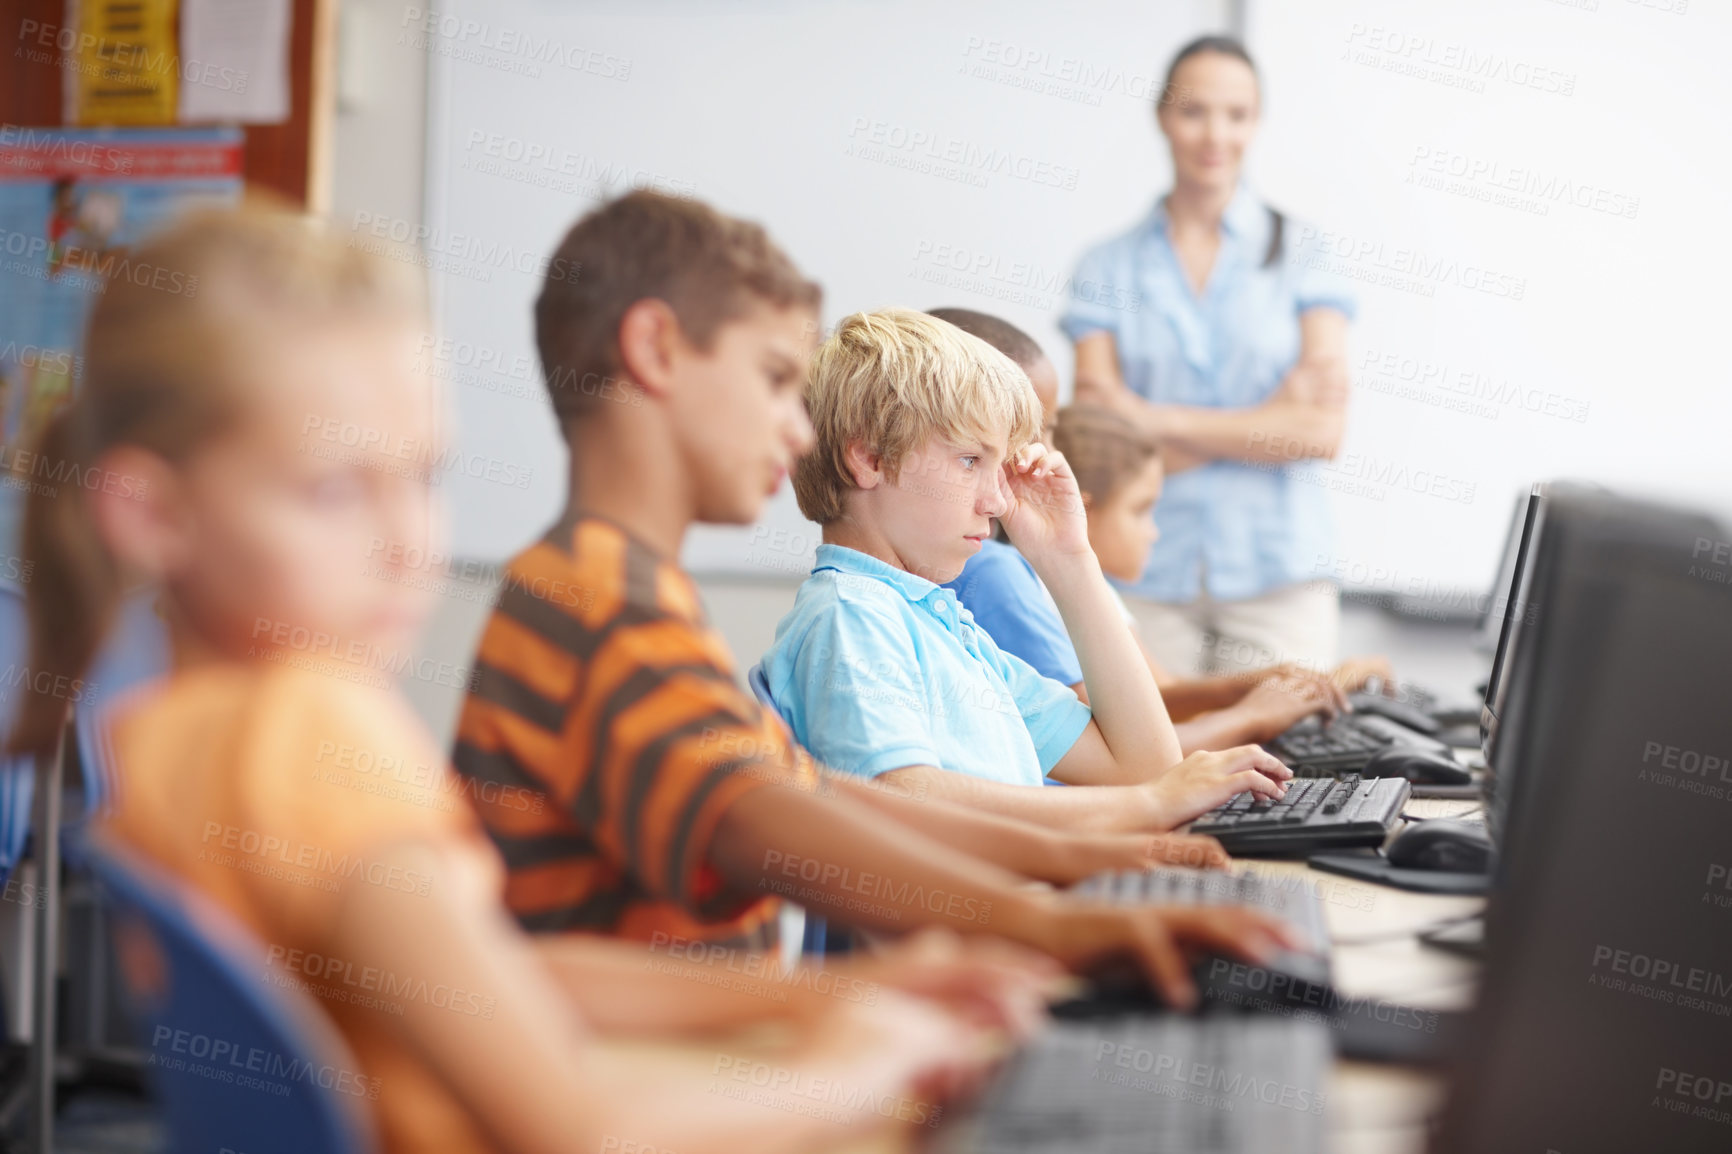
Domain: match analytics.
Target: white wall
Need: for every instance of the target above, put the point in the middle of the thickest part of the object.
(1619, 103)
(380, 140)
(764, 109)
(755, 107)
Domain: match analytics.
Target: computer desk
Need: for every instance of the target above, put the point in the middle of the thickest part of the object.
(1382, 1109)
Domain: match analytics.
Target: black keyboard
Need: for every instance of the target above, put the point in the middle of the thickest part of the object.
(1294, 985)
(1291, 898)
(1293, 978)
(1158, 1085)
(1317, 813)
(1423, 700)
(1312, 749)
(1403, 713)
(1416, 697)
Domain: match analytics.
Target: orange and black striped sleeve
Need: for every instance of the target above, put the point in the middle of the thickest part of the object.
(599, 685)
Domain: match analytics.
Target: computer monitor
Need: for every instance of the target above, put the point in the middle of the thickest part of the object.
(1509, 607)
(1605, 1015)
(1491, 615)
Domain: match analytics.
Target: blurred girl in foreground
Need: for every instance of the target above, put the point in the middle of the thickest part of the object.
(281, 448)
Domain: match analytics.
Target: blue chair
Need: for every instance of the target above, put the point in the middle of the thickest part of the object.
(17, 781)
(138, 648)
(235, 1063)
(19, 799)
(760, 686)
(135, 651)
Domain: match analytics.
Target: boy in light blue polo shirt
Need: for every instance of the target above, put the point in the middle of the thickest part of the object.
(887, 670)
(924, 435)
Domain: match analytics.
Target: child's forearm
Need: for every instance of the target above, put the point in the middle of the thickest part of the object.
(844, 860)
(1221, 729)
(678, 1099)
(1094, 809)
(1187, 697)
(527, 1072)
(664, 987)
(1127, 704)
(1032, 849)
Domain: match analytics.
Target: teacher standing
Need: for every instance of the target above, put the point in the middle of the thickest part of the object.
(1210, 325)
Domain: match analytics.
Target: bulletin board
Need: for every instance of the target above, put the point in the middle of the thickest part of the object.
(112, 119)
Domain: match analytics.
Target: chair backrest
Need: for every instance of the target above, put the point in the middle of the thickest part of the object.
(17, 777)
(135, 651)
(760, 686)
(235, 1063)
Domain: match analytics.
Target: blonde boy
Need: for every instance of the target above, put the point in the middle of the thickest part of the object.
(924, 434)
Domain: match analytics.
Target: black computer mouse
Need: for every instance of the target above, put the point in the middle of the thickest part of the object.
(1417, 766)
(1444, 846)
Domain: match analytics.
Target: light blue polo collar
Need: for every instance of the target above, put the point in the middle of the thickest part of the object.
(853, 563)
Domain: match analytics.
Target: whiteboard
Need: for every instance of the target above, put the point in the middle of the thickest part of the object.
(916, 153)
(1453, 152)
(815, 118)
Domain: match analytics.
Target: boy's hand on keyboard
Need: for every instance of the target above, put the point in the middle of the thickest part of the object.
(1277, 702)
(902, 1047)
(1205, 780)
(987, 981)
(1353, 674)
(1045, 515)
(1163, 940)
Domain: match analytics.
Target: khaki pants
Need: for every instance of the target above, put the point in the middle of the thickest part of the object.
(1298, 623)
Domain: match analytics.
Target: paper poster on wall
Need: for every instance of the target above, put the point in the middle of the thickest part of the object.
(125, 63)
(236, 55)
(72, 205)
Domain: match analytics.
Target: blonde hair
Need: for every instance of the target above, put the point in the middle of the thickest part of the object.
(893, 380)
(1105, 451)
(166, 353)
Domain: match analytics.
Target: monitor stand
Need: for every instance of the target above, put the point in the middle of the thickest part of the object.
(1371, 866)
(1464, 937)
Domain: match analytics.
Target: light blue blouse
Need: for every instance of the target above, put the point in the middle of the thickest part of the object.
(1237, 529)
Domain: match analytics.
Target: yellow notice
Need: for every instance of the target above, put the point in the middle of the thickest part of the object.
(125, 64)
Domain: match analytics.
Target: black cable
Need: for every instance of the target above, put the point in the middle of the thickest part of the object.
(1466, 813)
(1410, 932)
